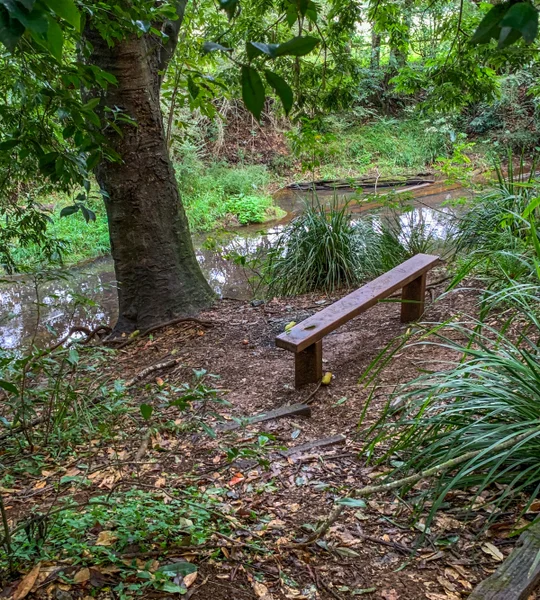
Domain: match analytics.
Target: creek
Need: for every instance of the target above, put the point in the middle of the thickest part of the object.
(39, 310)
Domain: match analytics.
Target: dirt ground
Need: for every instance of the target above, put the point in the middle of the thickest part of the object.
(368, 552)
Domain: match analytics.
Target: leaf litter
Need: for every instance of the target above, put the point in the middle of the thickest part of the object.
(266, 504)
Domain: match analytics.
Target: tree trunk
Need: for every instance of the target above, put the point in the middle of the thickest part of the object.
(375, 61)
(156, 268)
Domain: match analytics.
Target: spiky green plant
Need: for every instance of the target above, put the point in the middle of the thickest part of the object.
(486, 395)
(498, 236)
(319, 250)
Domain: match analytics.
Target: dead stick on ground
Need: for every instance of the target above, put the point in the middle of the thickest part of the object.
(406, 481)
(144, 445)
(312, 395)
(152, 369)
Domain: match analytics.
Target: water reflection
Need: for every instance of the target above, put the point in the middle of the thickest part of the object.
(86, 295)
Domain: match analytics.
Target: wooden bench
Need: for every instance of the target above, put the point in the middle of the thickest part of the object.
(305, 339)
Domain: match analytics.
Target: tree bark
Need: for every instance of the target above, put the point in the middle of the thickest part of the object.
(156, 268)
(375, 61)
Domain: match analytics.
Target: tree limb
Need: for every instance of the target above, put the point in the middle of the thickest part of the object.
(172, 30)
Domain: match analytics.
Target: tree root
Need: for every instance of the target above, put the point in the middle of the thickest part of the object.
(406, 481)
(120, 343)
(152, 369)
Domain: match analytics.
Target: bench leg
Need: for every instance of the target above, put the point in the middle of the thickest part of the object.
(413, 297)
(308, 365)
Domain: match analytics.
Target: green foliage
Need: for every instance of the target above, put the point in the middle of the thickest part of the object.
(339, 146)
(317, 251)
(69, 399)
(70, 239)
(487, 394)
(327, 247)
(138, 518)
(498, 236)
(212, 193)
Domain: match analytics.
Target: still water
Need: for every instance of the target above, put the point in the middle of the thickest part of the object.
(38, 312)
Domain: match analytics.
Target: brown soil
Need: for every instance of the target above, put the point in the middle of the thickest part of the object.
(366, 552)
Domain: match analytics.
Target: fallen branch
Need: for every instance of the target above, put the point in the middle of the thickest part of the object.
(152, 369)
(407, 481)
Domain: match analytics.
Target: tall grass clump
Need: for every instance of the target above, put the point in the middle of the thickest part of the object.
(483, 405)
(498, 236)
(390, 239)
(319, 250)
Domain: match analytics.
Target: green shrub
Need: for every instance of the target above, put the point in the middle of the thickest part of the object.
(213, 192)
(498, 236)
(78, 240)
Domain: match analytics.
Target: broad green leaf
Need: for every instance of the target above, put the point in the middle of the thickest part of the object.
(508, 36)
(490, 27)
(193, 88)
(73, 356)
(522, 17)
(146, 411)
(179, 568)
(67, 10)
(352, 502)
(89, 215)
(282, 89)
(69, 210)
(255, 49)
(252, 91)
(298, 46)
(11, 30)
(8, 144)
(91, 104)
(9, 387)
(173, 588)
(213, 46)
(55, 39)
(230, 7)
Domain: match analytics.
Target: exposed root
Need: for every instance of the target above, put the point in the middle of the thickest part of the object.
(119, 343)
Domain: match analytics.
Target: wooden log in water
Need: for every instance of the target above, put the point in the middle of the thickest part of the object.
(363, 182)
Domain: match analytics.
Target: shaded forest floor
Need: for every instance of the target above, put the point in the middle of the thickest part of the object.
(266, 499)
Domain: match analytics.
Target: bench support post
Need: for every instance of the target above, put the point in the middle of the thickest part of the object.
(308, 365)
(413, 298)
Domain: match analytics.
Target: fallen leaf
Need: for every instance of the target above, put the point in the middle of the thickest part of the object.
(535, 506)
(289, 326)
(27, 583)
(189, 580)
(389, 594)
(261, 591)
(160, 482)
(447, 585)
(82, 576)
(40, 485)
(236, 479)
(493, 551)
(106, 538)
(327, 379)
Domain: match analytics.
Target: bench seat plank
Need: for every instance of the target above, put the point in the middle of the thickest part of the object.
(314, 328)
